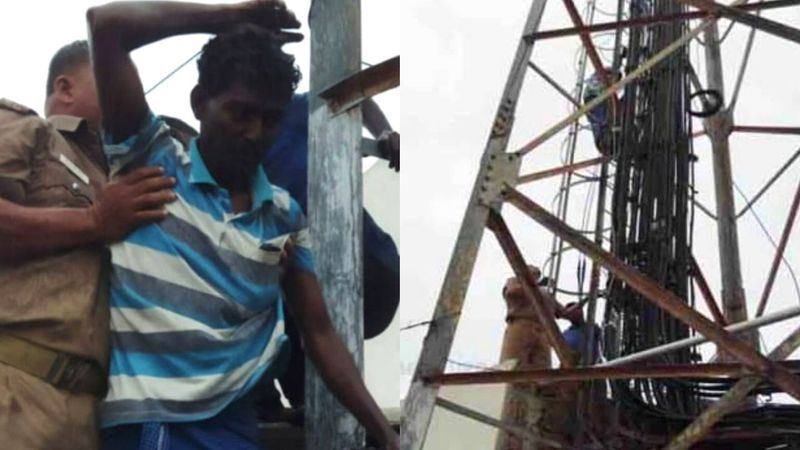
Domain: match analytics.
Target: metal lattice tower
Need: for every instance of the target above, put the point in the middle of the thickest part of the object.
(645, 194)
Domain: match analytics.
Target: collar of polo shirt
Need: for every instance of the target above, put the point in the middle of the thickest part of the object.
(262, 190)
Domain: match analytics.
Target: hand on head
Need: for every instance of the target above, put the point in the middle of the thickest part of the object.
(271, 14)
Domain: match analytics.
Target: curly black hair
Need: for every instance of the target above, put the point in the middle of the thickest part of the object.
(67, 58)
(248, 54)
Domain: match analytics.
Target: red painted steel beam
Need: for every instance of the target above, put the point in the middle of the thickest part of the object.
(766, 130)
(543, 309)
(660, 296)
(591, 51)
(559, 170)
(705, 291)
(757, 22)
(756, 129)
(644, 21)
(544, 376)
(776, 262)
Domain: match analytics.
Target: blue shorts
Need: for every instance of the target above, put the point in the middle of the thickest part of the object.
(234, 428)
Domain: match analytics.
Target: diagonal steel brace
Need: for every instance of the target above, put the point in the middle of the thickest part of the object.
(660, 296)
(543, 308)
(752, 20)
(731, 400)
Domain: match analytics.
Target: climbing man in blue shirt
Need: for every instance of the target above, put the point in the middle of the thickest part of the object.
(196, 299)
(574, 335)
(286, 165)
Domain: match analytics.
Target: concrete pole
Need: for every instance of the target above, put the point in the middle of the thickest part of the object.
(719, 127)
(335, 211)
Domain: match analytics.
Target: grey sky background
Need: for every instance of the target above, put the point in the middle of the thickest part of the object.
(32, 31)
(456, 61)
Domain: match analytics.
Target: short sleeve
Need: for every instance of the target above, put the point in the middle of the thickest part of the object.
(134, 150)
(303, 255)
(20, 138)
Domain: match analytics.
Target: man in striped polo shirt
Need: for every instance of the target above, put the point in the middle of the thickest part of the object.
(196, 307)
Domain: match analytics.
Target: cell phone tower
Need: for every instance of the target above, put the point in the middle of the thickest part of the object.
(635, 379)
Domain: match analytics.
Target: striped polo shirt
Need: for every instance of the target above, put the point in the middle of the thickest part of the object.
(196, 306)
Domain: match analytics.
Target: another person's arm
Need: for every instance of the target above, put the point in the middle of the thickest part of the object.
(330, 356)
(130, 201)
(378, 126)
(29, 232)
(381, 278)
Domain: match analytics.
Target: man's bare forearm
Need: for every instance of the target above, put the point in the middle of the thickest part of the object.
(28, 232)
(336, 366)
(118, 28)
(136, 24)
(330, 356)
(375, 120)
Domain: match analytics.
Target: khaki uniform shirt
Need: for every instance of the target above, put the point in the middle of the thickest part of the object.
(59, 300)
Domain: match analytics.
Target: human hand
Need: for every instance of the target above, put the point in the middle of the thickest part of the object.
(287, 253)
(131, 200)
(270, 14)
(286, 37)
(394, 445)
(389, 146)
(391, 441)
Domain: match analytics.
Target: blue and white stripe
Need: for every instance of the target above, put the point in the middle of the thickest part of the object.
(196, 308)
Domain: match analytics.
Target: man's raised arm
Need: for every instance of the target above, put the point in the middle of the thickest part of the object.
(118, 28)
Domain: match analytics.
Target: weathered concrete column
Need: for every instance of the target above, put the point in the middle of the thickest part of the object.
(719, 128)
(334, 206)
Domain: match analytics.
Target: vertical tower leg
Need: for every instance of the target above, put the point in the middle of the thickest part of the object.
(719, 128)
(419, 402)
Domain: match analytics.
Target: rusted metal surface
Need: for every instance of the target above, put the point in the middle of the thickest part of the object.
(768, 319)
(734, 305)
(419, 402)
(730, 401)
(663, 298)
(644, 21)
(500, 171)
(776, 262)
(665, 52)
(510, 428)
(757, 22)
(766, 129)
(761, 129)
(705, 291)
(543, 376)
(362, 85)
(591, 52)
(554, 84)
(545, 313)
(560, 170)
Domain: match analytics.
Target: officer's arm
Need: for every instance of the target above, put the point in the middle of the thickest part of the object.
(333, 361)
(130, 201)
(30, 232)
(118, 28)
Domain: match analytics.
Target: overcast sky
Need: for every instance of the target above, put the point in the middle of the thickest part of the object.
(455, 66)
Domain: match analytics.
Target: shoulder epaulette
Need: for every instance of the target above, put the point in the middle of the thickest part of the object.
(16, 107)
